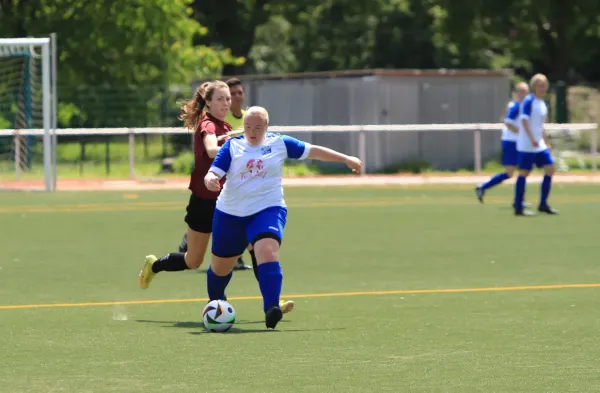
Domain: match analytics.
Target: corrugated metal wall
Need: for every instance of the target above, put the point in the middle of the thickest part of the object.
(376, 99)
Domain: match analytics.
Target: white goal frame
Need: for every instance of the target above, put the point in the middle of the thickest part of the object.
(48, 52)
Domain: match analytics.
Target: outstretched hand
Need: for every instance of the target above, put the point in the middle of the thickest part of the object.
(230, 134)
(354, 163)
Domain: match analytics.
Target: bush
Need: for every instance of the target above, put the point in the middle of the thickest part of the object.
(414, 166)
(184, 163)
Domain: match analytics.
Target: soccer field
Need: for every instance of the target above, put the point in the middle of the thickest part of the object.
(398, 289)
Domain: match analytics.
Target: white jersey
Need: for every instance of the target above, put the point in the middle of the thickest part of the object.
(534, 109)
(512, 115)
(254, 173)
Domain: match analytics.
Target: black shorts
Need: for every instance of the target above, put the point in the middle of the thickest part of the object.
(200, 214)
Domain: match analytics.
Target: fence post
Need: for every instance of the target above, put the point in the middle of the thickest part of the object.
(477, 151)
(17, 155)
(362, 150)
(594, 148)
(107, 155)
(131, 154)
(562, 110)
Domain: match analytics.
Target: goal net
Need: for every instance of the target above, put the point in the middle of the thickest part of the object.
(26, 114)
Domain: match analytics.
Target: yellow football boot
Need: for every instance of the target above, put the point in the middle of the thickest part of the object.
(146, 274)
(286, 306)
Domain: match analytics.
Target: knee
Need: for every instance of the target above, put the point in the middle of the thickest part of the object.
(510, 172)
(193, 261)
(266, 250)
(550, 170)
(222, 266)
(523, 172)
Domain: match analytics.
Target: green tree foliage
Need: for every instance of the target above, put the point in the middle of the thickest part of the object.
(272, 52)
(116, 53)
(231, 24)
(556, 37)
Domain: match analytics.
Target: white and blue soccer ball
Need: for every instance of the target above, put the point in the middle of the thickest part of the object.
(218, 316)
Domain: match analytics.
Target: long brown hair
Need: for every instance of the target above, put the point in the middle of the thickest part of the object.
(192, 110)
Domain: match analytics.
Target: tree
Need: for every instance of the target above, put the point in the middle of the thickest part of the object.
(118, 52)
(272, 52)
(231, 24)
(551, 36)
(345, 34)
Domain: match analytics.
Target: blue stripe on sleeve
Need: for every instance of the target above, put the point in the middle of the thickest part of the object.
(222, 161)
(513, 111)
(527, 105)
(295, 148)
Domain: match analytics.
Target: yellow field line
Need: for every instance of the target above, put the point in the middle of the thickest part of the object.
(310, 295)
(166, 206)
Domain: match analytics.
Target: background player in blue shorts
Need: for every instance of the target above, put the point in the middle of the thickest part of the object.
(532, 146)
(509, 142)
(251, 208)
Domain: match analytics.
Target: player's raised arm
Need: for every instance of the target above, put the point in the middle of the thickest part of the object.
(300, 150)
(322, 153)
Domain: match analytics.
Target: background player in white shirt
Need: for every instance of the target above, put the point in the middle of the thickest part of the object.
(510, 132)
(532, 146)
(251, 208)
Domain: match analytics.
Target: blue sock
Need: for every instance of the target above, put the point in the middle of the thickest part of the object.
(546, 185)
(495, 180)
(519, 192)
(270, 279)
(216, 285)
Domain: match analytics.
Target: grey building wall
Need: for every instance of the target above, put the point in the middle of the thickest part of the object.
(390, 97)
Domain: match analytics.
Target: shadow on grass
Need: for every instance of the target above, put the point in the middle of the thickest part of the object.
(204, 270)
(199, 324)
(233, 330)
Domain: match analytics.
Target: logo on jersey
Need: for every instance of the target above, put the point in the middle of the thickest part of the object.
(254, 168)
(265, 150)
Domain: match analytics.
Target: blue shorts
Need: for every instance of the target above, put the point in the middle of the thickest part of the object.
(231, 234)
(540, 159)
(510, 155)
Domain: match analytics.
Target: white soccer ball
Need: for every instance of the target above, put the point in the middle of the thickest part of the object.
(218, 316)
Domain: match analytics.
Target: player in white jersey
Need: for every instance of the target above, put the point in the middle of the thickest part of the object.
(532, 146)
(251, 208)
(509, 142)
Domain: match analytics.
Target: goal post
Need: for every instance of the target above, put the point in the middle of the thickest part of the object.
(26, 102)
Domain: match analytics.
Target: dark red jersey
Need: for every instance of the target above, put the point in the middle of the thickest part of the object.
(208, 125)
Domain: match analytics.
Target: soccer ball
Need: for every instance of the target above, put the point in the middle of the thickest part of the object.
(218, 316)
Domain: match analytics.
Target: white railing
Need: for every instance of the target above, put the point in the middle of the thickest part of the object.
(362, 130)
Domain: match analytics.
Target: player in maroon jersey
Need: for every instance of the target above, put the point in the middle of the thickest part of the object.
(235, 118)
(205, 113)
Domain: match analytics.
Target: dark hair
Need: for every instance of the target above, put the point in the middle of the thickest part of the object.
(192, 110)
(234, 82)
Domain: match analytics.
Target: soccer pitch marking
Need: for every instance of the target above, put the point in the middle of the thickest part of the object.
(363, 202)
(310, 295)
